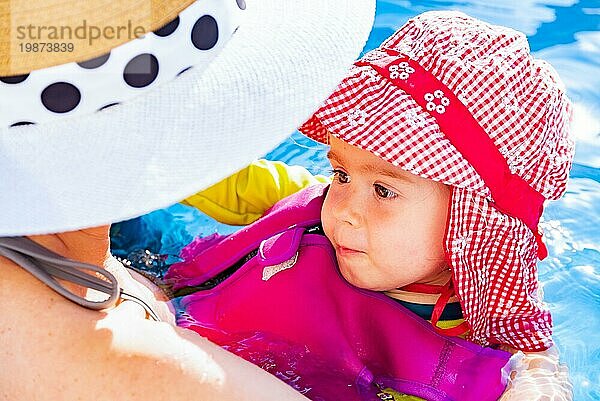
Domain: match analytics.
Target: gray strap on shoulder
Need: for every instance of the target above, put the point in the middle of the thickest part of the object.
(48, 266)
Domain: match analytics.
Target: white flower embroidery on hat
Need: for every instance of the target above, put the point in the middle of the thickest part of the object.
(509, 101)
(374, 55)
(433, 106)
(404, 47)
(556, 157)
(357, 117)
(417, 51)
(454, 50)
(499, 216)
(485, 65)
(364, 72)
(416, 119)
(410, 165)
(524, 254)
(372, 76)
(551, 152)
(474, 37)
(459, 244)
(516, 164)
(462, 96)
(515, 161)
(402, 70)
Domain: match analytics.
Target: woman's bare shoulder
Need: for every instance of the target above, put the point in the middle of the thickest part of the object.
(58, 350)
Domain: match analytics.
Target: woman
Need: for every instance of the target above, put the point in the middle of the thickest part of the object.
(81, 166)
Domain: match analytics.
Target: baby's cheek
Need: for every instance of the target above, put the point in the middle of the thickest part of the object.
(327, 221)
(347, 274)
(358, 278)
(365, 274)
(327, 228)
(325, 207)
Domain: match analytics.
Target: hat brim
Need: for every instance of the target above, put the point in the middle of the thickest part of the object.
(183, 136)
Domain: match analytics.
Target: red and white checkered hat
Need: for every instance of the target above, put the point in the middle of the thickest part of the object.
(456, 100)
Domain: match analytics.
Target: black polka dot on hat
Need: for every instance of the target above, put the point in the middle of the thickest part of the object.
(141, 70)
(205, 33)
(20, 123)
(241, 4)
(61, 97)
(14, 79)
(107, 106)
(95, 62)
(168, 28)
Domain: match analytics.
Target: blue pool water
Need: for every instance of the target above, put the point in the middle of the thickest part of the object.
(567, 34)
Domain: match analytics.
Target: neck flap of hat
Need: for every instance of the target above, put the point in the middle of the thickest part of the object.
(69, 58)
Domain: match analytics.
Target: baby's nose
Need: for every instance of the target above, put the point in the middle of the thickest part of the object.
(349, 208)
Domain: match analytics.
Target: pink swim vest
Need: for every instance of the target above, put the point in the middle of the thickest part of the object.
(272, 294)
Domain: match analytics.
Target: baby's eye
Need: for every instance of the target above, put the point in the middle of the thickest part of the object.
(383, 192)
(341, 176)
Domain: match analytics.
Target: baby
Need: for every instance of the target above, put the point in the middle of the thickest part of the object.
(445, 143)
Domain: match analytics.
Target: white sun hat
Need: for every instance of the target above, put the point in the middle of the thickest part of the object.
(69, 161)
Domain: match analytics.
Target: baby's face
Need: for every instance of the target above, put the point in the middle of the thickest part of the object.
(387, 225)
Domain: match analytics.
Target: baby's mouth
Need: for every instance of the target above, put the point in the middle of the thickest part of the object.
(344, 251)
